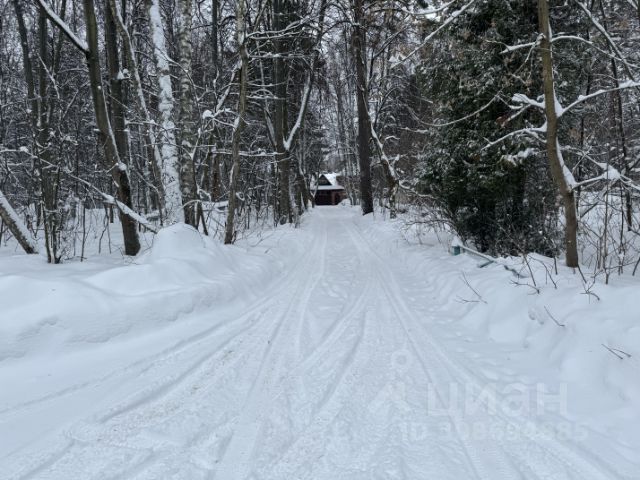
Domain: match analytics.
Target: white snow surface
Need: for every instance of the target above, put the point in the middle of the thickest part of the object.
(338, 350)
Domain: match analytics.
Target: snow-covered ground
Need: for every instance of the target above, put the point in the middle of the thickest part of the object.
(338, 350)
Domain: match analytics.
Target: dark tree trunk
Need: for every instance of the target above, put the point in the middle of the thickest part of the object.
(214, 37)
(186, 125)
(19, 231)
(362, 97)
(554, 153)
(229, 234)
(114, 163)
(152, 150)
(48, 172)
(280, 127)
(116, 99)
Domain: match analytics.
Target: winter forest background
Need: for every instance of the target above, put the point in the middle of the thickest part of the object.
(512, 123)
(173, 304)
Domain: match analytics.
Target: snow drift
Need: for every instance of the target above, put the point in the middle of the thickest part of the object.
(45, 308)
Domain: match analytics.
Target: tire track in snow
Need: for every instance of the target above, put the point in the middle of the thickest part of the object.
(84, 433)
(235, 462)
(261, 340)
(335, 396)
(538, 438)
(269, 338)
(309, 441)
(336, 333)
(144, 364)
(162, 387)
(87, 434)
(470, 451)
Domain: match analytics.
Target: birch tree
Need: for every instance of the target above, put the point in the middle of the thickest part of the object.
(170, 159)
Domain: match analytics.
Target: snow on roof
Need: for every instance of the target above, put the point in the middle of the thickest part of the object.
(332, 178)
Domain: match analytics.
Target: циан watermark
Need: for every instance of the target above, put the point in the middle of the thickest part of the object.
(498, 411)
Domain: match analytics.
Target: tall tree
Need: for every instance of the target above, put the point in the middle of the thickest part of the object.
(170, 157)
(42, 108)
(119, 169)
(280, 12)
(359, 45)
(562, 176)
(187, 133)
(239, 124)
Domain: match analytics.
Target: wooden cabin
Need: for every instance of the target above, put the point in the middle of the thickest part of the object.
(328, 190)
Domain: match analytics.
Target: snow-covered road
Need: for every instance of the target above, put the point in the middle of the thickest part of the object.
(333, 373)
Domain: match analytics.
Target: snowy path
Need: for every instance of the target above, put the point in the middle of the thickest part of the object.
(331, 374)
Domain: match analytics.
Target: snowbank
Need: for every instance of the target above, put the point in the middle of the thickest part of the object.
(534, 330)
(49, 308)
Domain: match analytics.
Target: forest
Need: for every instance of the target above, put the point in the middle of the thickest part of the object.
(511, 123)
(319, 239)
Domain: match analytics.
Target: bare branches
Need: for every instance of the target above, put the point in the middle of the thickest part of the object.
(621, 354)
(16, 226)
(452, 18)
(64, 28)
(478, 296)
(612, 44)
(584, 98)
(553, 318)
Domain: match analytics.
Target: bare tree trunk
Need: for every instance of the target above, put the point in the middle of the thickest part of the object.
(215, 177)
(229, 234)
(16, 227)
(41, 111)
(6, 211)
(280, 127)
(561, 174)
(214, 37)
(116, 100)
(154, 153)
(619, 121)
(389, 172)
(48, 184)
(119, 170)
(628, 202)
(362, 95)
(305, 196)
(187, 151)
(27, 64)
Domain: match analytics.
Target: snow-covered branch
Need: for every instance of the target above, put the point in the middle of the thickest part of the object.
(452, 18)
(64, 28)
(308, 84)
(584, 98)
(514, 48)
(522, 99)
(612, 44)
(530, 132)
(17, 228)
